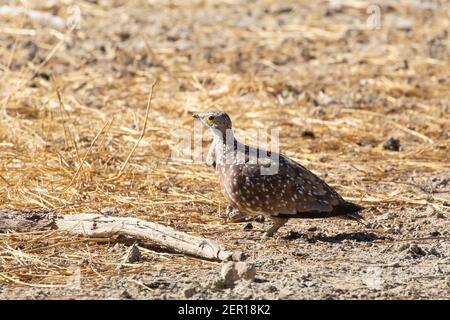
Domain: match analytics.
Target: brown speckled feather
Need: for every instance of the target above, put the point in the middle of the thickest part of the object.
(292, 190)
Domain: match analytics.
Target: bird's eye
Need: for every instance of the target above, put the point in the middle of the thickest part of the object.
(210, 118)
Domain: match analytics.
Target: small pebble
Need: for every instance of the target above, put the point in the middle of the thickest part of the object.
(133, 254)
(126, 295)
(233, 271)
(308, 134)
(285, 294)
(115, 248)
(248, 226)
(189, 292)
(108, 211)
(392, 144)
(415, 250)
(433, 252)
(385, 216)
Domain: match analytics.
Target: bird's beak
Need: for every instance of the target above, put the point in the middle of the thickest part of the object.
(196, 116)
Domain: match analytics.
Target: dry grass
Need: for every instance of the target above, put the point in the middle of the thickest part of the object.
(73, 105)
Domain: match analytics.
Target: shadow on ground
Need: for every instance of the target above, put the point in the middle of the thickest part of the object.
(352, 236)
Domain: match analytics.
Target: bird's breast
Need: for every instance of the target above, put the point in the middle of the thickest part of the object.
(240, 190)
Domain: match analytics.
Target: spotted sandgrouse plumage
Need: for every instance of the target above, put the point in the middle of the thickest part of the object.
(256, 182)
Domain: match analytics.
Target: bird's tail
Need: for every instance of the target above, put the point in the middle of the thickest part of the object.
(348, 210)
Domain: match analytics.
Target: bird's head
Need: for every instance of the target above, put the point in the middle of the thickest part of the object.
(215, 120)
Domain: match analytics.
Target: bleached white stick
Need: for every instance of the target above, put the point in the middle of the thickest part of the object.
(99, 226)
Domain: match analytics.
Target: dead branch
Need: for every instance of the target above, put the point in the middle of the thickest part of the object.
(26, 220)
(99, 226)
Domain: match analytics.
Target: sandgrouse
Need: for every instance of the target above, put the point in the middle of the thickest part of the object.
(257, 182)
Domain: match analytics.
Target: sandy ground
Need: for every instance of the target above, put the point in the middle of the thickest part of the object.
(319, 260)
(335, 88)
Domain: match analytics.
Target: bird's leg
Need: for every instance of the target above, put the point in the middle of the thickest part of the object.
(277, 224)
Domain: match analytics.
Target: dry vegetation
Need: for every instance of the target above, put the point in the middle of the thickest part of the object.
(73, 104)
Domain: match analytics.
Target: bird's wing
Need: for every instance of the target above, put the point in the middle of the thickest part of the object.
(313, 193)
(292, 189)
